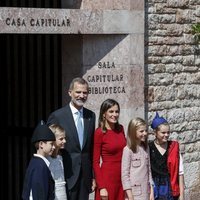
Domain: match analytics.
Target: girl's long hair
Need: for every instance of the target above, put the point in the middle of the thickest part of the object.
(134, 124)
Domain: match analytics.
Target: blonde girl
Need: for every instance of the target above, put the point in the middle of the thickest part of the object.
(136, 173)
(56, 162)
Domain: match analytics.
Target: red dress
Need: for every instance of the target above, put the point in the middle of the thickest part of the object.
(108, 147)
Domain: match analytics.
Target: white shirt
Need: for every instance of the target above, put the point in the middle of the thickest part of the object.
(181, 170)
(57, 170)
(74, 113)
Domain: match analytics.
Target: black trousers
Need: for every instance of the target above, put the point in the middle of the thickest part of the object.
(79, 191)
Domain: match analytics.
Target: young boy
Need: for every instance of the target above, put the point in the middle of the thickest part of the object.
(38, 182)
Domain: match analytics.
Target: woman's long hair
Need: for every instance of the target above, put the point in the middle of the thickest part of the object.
(107, 104)
(133, 126)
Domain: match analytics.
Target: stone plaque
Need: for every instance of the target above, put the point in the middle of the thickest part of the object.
(124, 84)
(68, 21)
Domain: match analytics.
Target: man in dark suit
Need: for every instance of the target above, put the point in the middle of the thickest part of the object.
(77, 156)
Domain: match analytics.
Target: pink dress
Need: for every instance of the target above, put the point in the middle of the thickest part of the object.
(136, 172)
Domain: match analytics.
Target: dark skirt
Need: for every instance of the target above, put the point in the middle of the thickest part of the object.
(162, 189)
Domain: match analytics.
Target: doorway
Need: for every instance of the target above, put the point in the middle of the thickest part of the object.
(31, 88)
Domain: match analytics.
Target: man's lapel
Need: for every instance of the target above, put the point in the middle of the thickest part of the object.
(86, 126)
(71, 125)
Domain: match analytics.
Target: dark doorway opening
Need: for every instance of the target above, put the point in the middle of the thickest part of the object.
(31, 88)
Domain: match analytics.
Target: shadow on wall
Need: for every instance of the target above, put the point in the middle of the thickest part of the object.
(82, 52)
(71, 4)
(15, 153)
(67, 4)
(147, 94)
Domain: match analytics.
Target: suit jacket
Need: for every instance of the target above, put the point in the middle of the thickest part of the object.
(75, 159)
(38, 179)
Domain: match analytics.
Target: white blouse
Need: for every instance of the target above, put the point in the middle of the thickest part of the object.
(57, 171)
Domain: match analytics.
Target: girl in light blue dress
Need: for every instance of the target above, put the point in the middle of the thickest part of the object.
(56, 163)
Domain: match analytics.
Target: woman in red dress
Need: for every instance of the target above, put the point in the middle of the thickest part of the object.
(109, 141)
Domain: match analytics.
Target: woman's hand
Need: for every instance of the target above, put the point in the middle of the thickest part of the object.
(182, 187)
(151, 196)
(104, 194)
(151, 193)
(128, 195)
(93, 185)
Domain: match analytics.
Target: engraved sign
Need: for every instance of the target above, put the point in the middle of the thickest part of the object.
(54, 21)
(67, 21)
(106, 80)
(39, 22)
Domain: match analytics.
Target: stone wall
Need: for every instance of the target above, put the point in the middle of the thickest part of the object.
(111, 34)
(173, 78)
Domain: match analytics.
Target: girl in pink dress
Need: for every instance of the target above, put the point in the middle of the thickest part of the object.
(136, 170)
(109, 141)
